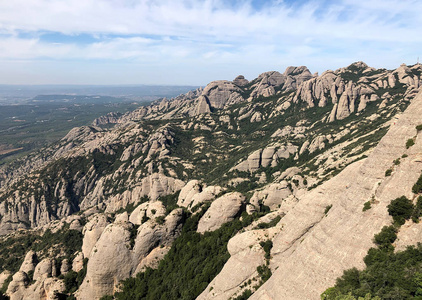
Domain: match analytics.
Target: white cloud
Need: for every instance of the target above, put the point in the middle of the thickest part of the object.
(210, 34)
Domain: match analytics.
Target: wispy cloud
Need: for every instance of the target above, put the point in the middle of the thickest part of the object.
(166, 41)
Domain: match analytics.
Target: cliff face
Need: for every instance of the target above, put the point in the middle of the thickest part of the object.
(307, 149)
(312, 246)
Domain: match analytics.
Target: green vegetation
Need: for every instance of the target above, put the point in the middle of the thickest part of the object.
(73, 280)
(170, 201)
(419, 127)
(264, 272)
(267, 246)
(270, 224)
(388, 172)
(3, 289)
(410, 143)
(327, 208)
(401, 209)
(386, 237)
(245, 295)
(366, 206)
(64, 243)
(417, 187)
(388, 274)
(417, 210)
(192, 262)
(160, 220)
(32, 127)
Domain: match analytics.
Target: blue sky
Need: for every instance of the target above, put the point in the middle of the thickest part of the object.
(194, 42)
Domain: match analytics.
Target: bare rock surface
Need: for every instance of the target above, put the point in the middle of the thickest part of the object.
(195, 192)
(310, 240)
(222, 93)
(29, 262)
(269, 156)
(222, 210)
(45, 285)
(240, 80)
(124, 253)
(92, 232)
(147, 210)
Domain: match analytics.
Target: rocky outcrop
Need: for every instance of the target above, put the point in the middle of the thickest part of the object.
(45, 286)
(92, 232)
(203, 106)
(222, 210)
(240, 81)
(110, 118)
(148, 210)
(318, 143)
(153, 187)
(124, 251)
(327, 226)
(97, 171)
(222, 93)
(195, 192)
(29, 262)
(246, 255)
(302, 253)
(269, 156)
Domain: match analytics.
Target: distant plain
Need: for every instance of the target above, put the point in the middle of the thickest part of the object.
(32, 117)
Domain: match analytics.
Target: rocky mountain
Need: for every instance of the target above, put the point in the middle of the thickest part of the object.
(265, 178)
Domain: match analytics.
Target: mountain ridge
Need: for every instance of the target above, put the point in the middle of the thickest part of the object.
(262, 149)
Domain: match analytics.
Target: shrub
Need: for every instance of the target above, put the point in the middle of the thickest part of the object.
(404, 155)
(267, 246)
(386, 237)
(419, 127)
(270, 224)
(327, 208)
(388, 172)
(409, 143)
(417, 211)
(417, 187)
(245, 295)
(191, 264)
(366, 206)
(400, 209)
(389, 275)
(72, 280)
(160, 220)
(264, 272)
(396, 161)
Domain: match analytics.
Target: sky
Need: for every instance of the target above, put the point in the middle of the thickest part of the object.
(192, 42)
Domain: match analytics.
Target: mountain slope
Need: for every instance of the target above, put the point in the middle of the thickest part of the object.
(340, 239)
(267, 153)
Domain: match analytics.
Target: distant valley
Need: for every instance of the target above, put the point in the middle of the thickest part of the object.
(29, 120)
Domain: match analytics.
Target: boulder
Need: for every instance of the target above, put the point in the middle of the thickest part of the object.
(240, 80)
(29, 262)
(92, 232)
(222, 210)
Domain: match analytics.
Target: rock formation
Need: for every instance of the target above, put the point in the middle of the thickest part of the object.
(304, 150)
